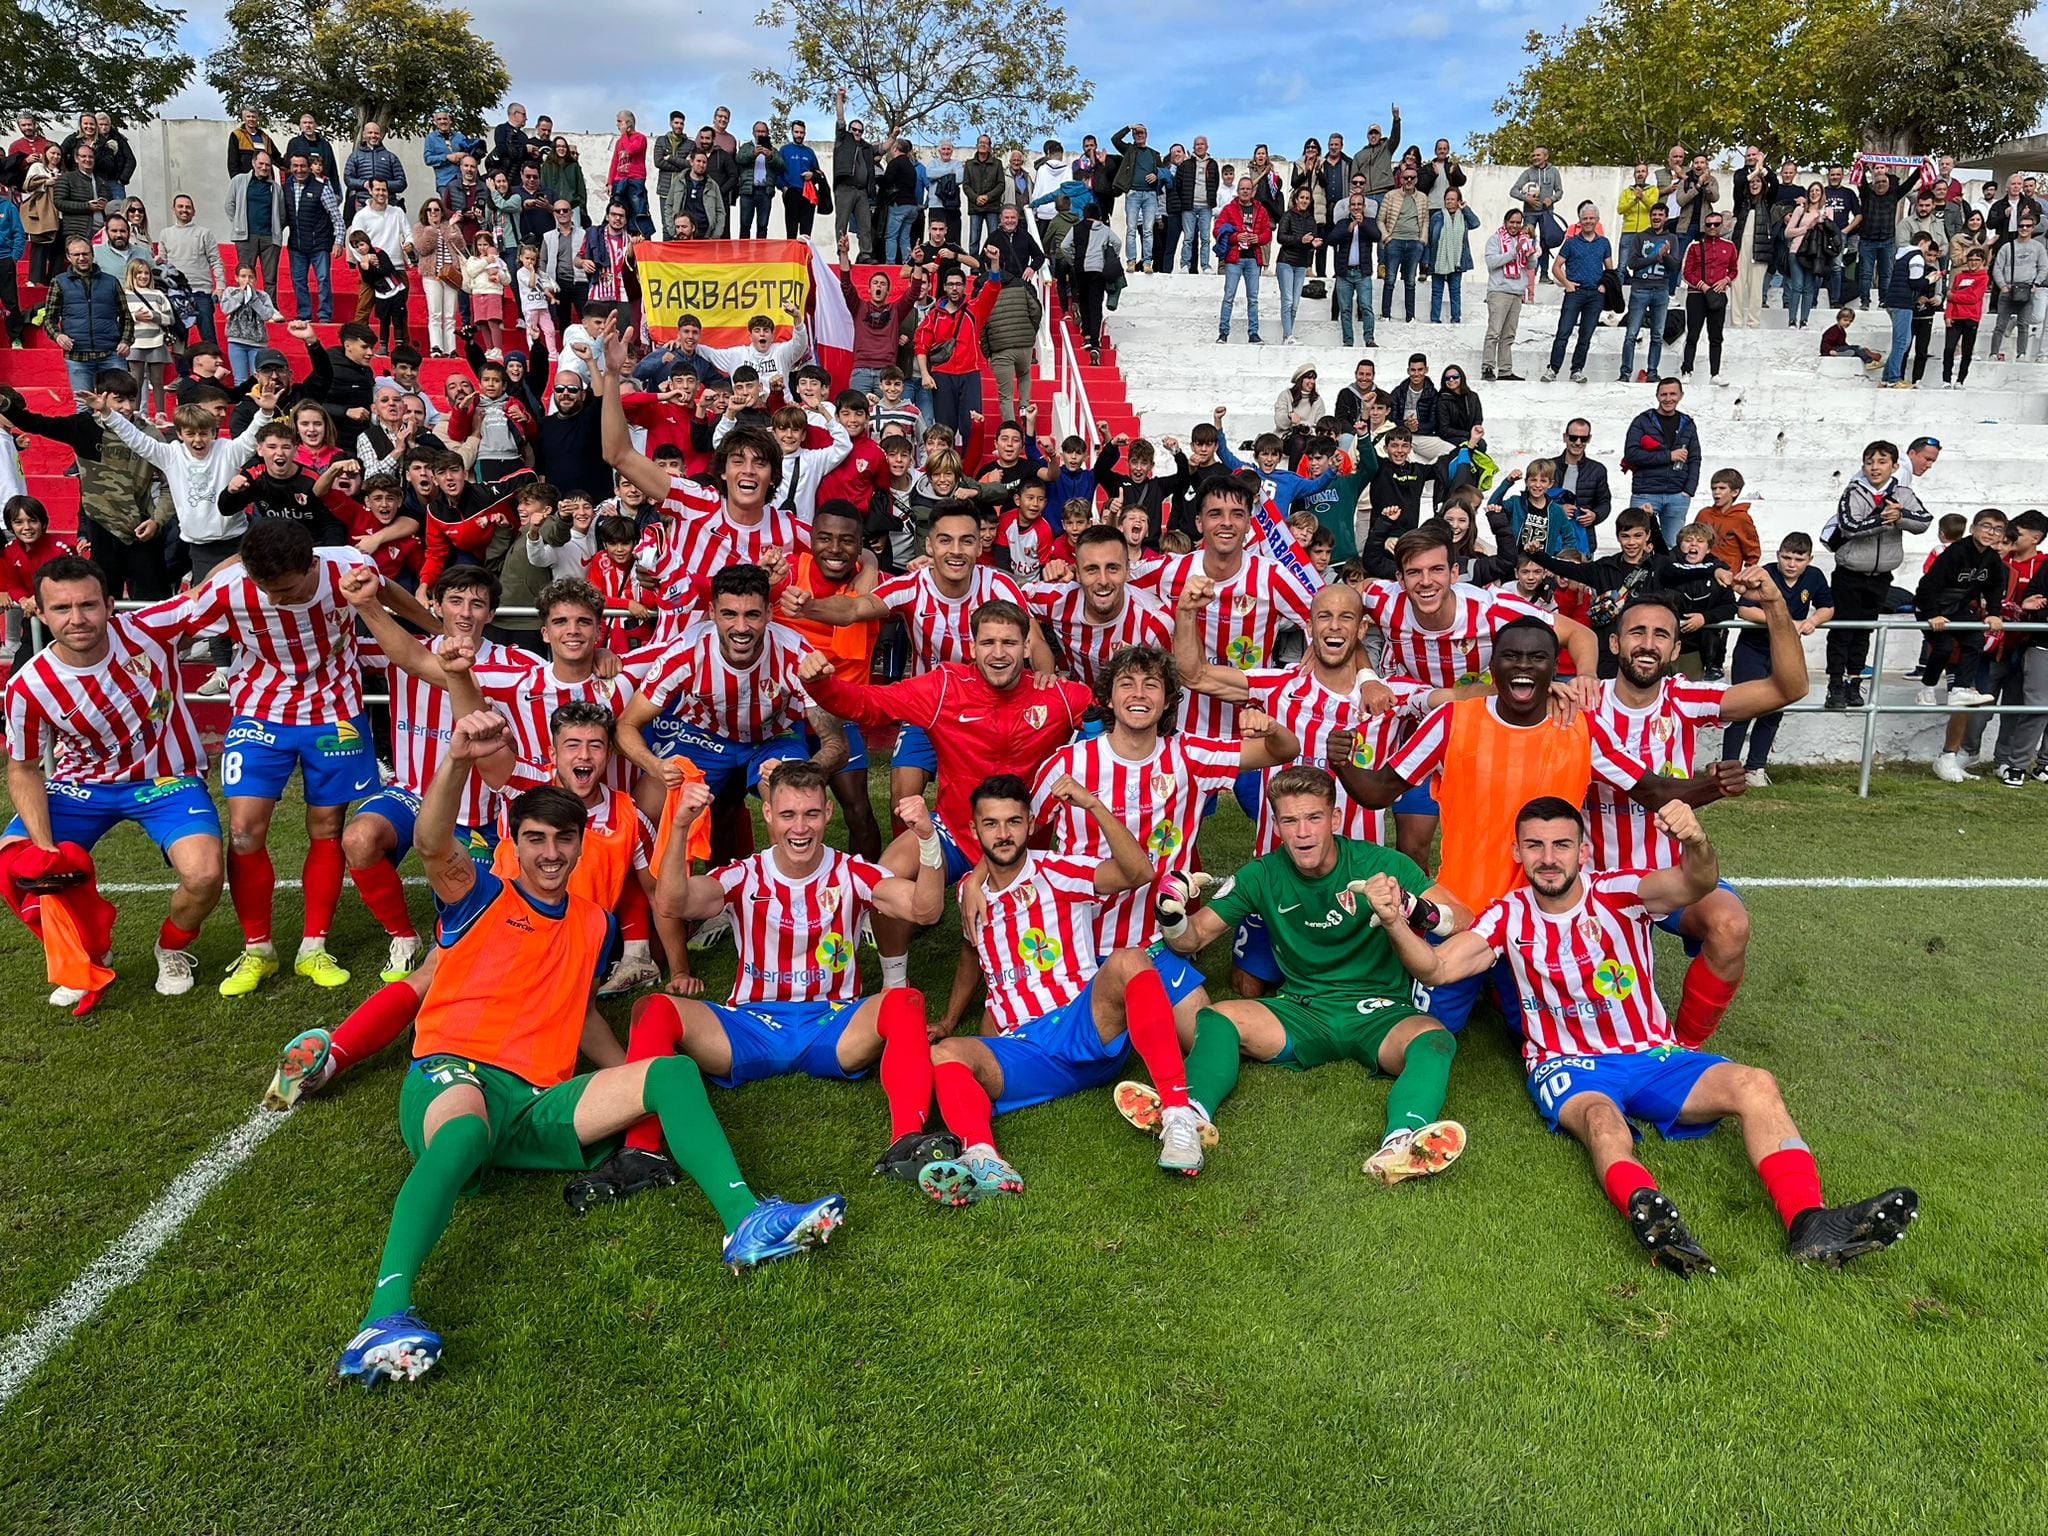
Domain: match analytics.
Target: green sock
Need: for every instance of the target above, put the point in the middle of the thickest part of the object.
(675, 1094)
(1417, 1096)
(425, 1201)
(1213, 1060)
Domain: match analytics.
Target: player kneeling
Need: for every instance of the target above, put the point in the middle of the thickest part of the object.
(1343, 993)
(510, 1007)
(796, 1006)
(1601, 1050)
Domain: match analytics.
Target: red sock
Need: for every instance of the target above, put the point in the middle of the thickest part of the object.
(382, 1017)
(906, 1070)
(171, 936)
(636, 918)
(1149, 1018)
(1700, 1006)
(383, 893)
(1792, 1180)
(322, 885)
(657, 1030)
(964, 1104)
(251, 884)
(1624, 1179)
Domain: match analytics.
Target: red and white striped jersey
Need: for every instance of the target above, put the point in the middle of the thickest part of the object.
(422, 720)
(694, 539)
(1311, 712)
(118, 721)
(1585, 975)
(937, 625)
(1460, 652)
(1664, 736)
(1037, 944)
(527, 692)
(798, 939)
(749, 704)
(1029, 547)
(1240, 628)
(615, 584)
(1063, 609)
(1160, 798)
(293, 665)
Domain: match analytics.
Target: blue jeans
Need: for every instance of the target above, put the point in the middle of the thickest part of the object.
(1679, 241)
(1194, 229)
(1671, 507)
(317, 264)
(1404, 259)
(1354, 291)
(895, 238)
(979, 224)
(1140, 209)
(1646, 301)
(867, 380)
(631, 192)
(82, 375)
(1873, 268)
(1801, 289)
(1290, 279)
(242, 358)
(1441, 283)
(1902, 337)
(1581, 308)
(1235, 272)
(202, 314)
(754, 203)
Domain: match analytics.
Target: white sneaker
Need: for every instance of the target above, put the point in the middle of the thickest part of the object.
(1926, 697)
(175, 970)
(1949, 771)
(631, 973)
(400, 959)
(1183, 1132)
(1550, 375)
(215, 685)
(1578, 375)
(1970, 698)
(66, 997)
(713, 933)
(1756, 778)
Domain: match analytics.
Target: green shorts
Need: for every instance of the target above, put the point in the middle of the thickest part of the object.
(1321, 1031)
(531, 1128)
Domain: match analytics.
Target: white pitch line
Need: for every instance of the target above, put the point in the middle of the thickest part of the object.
(125, 1259)
(1755, 882)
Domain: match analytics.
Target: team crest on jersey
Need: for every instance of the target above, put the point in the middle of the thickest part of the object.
(1347, 900)
(137, 665)
(1589, 928)
(1613, 978)
(828, 900)
(1243, 651)
(1164, 840)
(1163, 786)
(1662, 728)
(834, 953)
(1039, 949)
(1035, 716)
(1244, 603)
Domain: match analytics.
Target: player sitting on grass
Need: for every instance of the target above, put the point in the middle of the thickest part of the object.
(511, 1005)
(1600, 1049)
(1343, 994)
(1059, 1021)
(796, 1005)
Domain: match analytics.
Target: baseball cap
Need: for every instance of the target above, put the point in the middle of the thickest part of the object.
(270, 357)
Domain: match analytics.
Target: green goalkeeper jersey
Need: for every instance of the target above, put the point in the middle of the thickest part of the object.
(1322, 934)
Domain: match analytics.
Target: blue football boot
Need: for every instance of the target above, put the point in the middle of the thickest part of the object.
(778, 1229)
(398, 1347)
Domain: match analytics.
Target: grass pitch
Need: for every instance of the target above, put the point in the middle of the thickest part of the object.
(1278, 1346)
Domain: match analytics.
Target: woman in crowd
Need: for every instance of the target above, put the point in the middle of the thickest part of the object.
(441, 250)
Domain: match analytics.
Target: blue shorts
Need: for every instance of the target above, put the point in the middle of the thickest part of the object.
(336, 762)
(1451, 1005)
(856, 748)
(1669, 923)
(401, 808)
(1178, 972)
(1417, 800)
(1645, 1085)
(728, 765)
(914, 749)
(1056, 1054)
(958, 860)
(1249, 788)
(774, 1039)
(167, 810)
(1251, 951)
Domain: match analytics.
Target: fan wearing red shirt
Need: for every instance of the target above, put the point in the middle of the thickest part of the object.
(862, 477)
(376, 529)
(985, 718)
(1600, 1049)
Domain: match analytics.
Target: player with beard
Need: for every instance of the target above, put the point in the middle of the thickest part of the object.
(981, 719)
(796, 1003)
(1656, 716)
(1440, 632)
(1331, 701)
(838, 565)
(1599, 1046)
(510, 1009)
(1492, 754)
(1343, 994)
(1096, 615)
(1060, 1020)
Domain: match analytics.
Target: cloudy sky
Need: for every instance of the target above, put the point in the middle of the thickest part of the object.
(1181, 66)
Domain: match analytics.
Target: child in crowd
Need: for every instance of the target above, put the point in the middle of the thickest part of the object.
(1811, 605)
(1537, 518)
(1834, 341)
(484, 279)
(30, 543)
(1968, 289)
(1704, 595)
(535, 291)
(148, 353)
(249, 311)
(1735, 544)
(611, 572)
(892, 409)
(1966, 584)
(387, 287)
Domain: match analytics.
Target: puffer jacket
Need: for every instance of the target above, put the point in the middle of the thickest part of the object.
(1858, 534)
(91, 310)
(1013, 323)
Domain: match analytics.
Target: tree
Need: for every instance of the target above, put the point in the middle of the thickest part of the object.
(393, 61)
(66, 56)
(996, 66)
(1637, 76)
(1956, 76)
